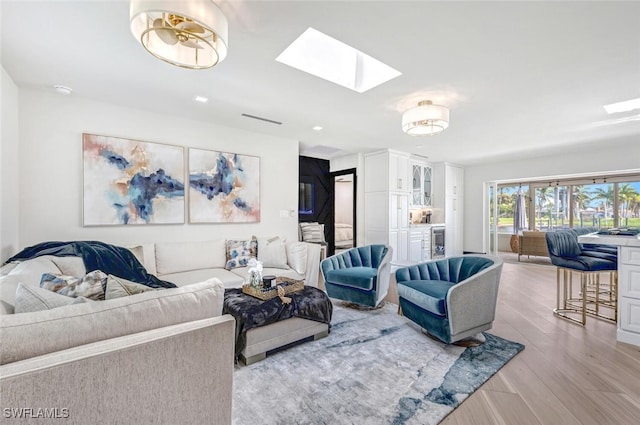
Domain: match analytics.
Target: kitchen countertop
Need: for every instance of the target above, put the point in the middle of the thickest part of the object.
(426, 225)
(610, 239)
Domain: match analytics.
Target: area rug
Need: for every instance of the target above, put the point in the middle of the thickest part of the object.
(375, 367)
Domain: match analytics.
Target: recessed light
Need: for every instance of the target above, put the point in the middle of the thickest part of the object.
(63, 90)
(316, 128)
(325, 57)
(201, 99)
(625, 106)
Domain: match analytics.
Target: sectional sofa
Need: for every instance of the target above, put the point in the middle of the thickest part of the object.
(164, 356)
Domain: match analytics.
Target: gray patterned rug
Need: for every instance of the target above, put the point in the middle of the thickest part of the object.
(375, 367)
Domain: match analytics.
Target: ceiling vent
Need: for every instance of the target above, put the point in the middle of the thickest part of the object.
(262, 119)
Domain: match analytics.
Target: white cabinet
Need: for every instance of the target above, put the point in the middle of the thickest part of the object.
(421, 184)
(448, 197)
(398, 171)
(629, 294)
(420, 244)
(387, 195)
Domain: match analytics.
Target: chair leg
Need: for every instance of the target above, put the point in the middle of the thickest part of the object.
(565, 302)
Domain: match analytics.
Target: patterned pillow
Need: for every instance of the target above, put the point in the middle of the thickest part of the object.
(91, 286)
(312, 232)
(240, 252)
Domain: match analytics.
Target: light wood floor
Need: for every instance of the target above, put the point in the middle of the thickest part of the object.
(567, 374)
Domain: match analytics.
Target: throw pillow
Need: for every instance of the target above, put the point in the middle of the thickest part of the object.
(240, 252)
(30, 299)
(297, 257)
(272, 252)
(312, 232)
(91, 286)
(118, 287)
(138, 252)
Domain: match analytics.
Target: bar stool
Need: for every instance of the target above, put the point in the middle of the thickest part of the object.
(566, 254)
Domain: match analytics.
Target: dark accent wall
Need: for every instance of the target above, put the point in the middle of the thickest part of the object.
(316, 171)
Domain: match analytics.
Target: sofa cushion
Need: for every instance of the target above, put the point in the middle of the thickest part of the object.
(230, 280)
(118, 287)
(8, 287)
(31, 271)
(240, 252)
(297, 257)
(75, 325)
(72, 266)
(354, 277)
(30, 299)
(187, 256)
(146, 255)
(431, 295)
(272, 252)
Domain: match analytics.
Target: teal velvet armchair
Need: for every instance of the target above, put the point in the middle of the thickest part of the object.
(359, 275)
(452, 299)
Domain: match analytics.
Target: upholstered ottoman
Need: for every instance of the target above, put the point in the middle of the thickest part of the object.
(263, 326)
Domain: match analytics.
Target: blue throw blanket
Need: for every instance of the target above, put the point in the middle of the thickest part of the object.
(110, 259)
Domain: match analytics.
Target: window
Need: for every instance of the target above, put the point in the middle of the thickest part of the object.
(629, 204)
(603, 202)
(507, 200)
(551, 205)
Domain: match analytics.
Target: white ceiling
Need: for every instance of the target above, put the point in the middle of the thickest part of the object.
(520, 78)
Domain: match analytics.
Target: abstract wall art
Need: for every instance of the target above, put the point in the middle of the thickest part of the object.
(131, 182)
(223, 187)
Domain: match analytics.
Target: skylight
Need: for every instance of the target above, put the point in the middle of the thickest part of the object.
(330, 59)
(626, 106)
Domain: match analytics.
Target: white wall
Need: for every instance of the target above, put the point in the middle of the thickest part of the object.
(9, 240)
(347, 162)
(51, 128)
(609, 157)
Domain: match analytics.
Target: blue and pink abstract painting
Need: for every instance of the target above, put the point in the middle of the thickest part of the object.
(131, 182)
(223, 187)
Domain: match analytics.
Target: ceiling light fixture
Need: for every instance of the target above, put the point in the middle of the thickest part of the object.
(316, 128)
(201, 99)
(190, 34)
(425, 119)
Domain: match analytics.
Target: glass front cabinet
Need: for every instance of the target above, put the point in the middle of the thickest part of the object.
(421, 189)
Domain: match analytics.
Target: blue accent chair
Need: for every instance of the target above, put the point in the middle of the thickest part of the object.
(359, 275)
(569, 257)
(452, 299)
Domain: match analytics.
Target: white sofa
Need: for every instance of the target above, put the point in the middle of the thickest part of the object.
(162, 356)
(188, 262)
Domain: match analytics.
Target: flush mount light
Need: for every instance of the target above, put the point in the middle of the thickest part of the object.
(330, 59)
(625, 106)
(316, 128)
(191, 34)
(63, 90)
(425, 119)
(201, 99)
